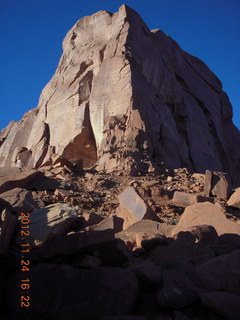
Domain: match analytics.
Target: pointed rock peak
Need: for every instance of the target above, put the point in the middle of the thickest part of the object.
(130, 14)
(134, 20)
(124, 9)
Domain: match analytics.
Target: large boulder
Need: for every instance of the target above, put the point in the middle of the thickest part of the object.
(184, 199)
(132, 207)
(182, 253)
(148, 274)
(217, 184)
(206, 214)
(143, 232)
(180, 288)
(72, 244)
(113, 223)
(225, 270)
(204, 234)
(135, 101)
(225, 304)
(22, 200)
(50, 222)
(19, 179)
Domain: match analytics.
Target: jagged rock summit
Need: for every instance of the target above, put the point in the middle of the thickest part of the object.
(125, 97)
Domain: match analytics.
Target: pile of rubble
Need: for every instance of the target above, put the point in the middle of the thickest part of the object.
(107, 246)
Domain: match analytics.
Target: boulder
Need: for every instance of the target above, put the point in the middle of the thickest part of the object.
(182, 252)
(184, 199)
(225, 270)
(113, 222)
(132, 208)
(225, 304)
(230, 242)
(8, 223)
(143, 231)
(23, 200)
(234, 200)
(70, 292)
(204, 234)
(221, 185)
(180, 288)
(20, 179)
(217, 184)
(91, 218)
(151, 227)
(87, 261)
(72, 244)
(114, 254)
(148, 274)
(206, 214)
(58, 161)
(50, 222)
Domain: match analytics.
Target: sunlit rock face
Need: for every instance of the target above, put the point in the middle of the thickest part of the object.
(125, 97)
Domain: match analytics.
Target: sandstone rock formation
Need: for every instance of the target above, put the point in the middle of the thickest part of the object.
(217, 184)
(19, 179)
(209, 214)
(132, 207)
(125, 97)
(22, 200)
(50, 222)
(235, 199)
(164, 245)
(184, 199)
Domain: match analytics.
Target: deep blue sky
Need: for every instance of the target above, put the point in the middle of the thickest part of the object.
(31, 34)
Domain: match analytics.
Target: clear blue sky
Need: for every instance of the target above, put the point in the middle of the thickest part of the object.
(31, 34)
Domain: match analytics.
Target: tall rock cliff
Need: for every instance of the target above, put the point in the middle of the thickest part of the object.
(125, 97)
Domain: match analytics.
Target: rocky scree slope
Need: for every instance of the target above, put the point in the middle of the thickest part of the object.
(104, 246)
